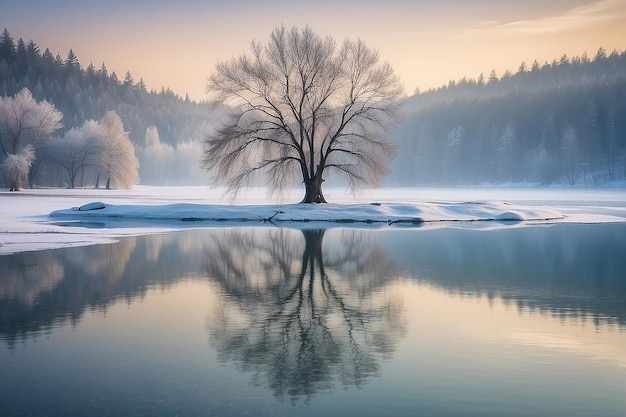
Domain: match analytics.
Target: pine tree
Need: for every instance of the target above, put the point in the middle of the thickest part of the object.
(7, 46)
(71, 62)
(128, 80)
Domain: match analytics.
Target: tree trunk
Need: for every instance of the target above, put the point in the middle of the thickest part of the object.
(313, 191)
(32, 173)
(108, 187)
(313, 250)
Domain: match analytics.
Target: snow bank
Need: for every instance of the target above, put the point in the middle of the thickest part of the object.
(384, 213)
(44, 219)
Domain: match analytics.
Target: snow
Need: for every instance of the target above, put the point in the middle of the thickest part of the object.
(387, 213)
(55, 218)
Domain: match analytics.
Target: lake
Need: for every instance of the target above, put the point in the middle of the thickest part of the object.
(269, 321)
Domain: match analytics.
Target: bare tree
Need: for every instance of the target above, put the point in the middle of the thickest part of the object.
(301, 106)
(74, 152)
(308, 317)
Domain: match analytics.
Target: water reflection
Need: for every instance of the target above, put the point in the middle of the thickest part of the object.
(26, 276)
(300, 315)
(165, 324)
(569, 271)
(40, 291)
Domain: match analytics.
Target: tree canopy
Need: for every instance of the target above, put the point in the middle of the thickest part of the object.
(24, 121)
(301, 107)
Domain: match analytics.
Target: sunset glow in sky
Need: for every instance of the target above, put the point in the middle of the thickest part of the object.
(177, 43)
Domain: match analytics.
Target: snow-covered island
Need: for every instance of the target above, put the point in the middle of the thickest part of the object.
(47, 219)
(388, 213)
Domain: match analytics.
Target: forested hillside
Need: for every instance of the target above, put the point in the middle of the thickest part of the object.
(562, 122)
(559, 123)
(165, 129)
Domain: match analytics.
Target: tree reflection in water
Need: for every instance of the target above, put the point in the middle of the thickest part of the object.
(300, 315)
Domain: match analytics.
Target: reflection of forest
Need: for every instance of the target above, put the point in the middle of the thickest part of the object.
(300, 315)
(564, 270)
(40, 290)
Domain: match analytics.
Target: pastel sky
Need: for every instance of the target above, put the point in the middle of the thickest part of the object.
(177, 43)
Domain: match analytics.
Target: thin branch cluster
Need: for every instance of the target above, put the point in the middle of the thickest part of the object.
(301, 106)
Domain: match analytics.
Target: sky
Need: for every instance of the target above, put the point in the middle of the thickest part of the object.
(176, 44)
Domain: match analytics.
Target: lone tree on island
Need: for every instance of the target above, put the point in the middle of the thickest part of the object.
(302, 107)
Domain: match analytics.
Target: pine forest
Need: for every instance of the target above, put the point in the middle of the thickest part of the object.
(557, 123)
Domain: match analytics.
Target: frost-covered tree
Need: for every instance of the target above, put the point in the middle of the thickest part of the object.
(16, 167)
(24, 121)
(152, 136)
(188, 163)
(303, 107)
(117, 154)
(155, 155)
(76, 151)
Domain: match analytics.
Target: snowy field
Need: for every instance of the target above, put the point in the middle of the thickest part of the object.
(49, 218)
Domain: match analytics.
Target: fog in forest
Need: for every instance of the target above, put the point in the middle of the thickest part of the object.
(554, 123)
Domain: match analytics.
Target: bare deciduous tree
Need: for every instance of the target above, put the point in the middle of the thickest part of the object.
(74, 152)
(308, 316)
(301, 106)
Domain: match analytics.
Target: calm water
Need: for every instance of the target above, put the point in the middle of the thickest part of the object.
(278, 322)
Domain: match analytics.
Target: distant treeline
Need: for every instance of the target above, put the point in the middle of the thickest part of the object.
(88, 93)
(83, 94)
(562, 122)
(558, 123)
